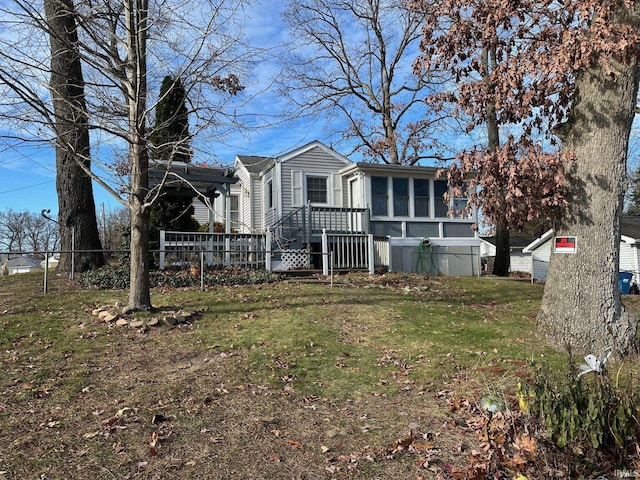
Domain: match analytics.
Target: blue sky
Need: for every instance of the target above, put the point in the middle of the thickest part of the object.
(27, 172)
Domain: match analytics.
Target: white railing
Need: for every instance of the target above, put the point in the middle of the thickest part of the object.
(178, 249)
(347, 251)
(354, 251)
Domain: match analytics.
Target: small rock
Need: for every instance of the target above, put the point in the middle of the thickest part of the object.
(109, 318)
(96, 311)
(153, 322)
(136, 323)
(104, 314)
(180, 319)
(169, 321)
(121, 322)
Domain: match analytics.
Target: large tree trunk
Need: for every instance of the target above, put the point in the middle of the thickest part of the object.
(76, 207)
(503, 248)
(502, 260)
(581, 307)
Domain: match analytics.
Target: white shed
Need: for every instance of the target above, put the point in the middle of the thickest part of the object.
(519, 261)
(540, 250)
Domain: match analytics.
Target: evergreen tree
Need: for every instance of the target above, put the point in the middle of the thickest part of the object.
(170, 136)
(170, 139)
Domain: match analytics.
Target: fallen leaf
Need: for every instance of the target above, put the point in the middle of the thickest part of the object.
(295, 445)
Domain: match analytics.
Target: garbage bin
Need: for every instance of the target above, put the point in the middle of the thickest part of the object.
(624, 281)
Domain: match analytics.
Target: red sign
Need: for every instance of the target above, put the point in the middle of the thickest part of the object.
(566, 244)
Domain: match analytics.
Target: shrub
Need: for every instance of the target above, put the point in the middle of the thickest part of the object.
(593, 410)
(117, 277)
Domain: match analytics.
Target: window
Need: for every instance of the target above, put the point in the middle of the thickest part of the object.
(317, 189)
(400, 197)
(421, 197)
(379, 196)
(235, 212)
(440, 188)
(269, 194)
(460, 205)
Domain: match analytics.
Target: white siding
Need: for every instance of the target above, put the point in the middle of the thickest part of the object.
(200, 212)
(541, 257)
(628, 260)
(312, 162)
(520, 262)
(257, 205)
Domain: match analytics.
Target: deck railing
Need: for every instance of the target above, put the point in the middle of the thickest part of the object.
(182, 248)
(347, 251)
(300, 224)
(339, 220)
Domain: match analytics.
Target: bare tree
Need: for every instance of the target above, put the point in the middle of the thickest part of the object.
(27, 232)
(353, 59)
(126, 48)
(113, 224)
(40, 234)
(12, 230)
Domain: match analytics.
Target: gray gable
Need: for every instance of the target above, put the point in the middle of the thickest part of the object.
(630, 226)
(514, 241)
(255, 164)
(22, 261)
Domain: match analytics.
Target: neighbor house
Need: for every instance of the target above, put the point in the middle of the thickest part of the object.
(315, 201)
(519, 260)
(21, 264)
(540, 250)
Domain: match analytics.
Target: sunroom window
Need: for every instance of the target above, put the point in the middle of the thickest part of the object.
(400, 197)
(440, 188)
(421, 197)
(379, 196)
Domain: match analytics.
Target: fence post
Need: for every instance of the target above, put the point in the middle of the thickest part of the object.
(46, 271)
(201, 271)
(325, 253)
(227, 249)
(267, 248)
(162, 247)
(372, 254)
(390, 250)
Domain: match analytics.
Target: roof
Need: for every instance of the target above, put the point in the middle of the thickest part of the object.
(630, 226)
(255, 164)
(186, 176)
(629, 233)
(22, 261)
(311, 145)
(385, 168)
(514, 241)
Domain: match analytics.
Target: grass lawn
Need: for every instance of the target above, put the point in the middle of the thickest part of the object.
(375, 377)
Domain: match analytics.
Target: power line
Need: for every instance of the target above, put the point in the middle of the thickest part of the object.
(24, 188)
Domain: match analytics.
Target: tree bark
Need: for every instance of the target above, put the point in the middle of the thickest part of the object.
(502, 261)
(503, 248)
(136, 70)
(581, 307)
(76, 207)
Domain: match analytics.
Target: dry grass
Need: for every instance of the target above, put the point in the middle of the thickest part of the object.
(365, 380)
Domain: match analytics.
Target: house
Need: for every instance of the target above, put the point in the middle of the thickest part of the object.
(519, 261)
(313, 201)
(540, 250)
(22, 264)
